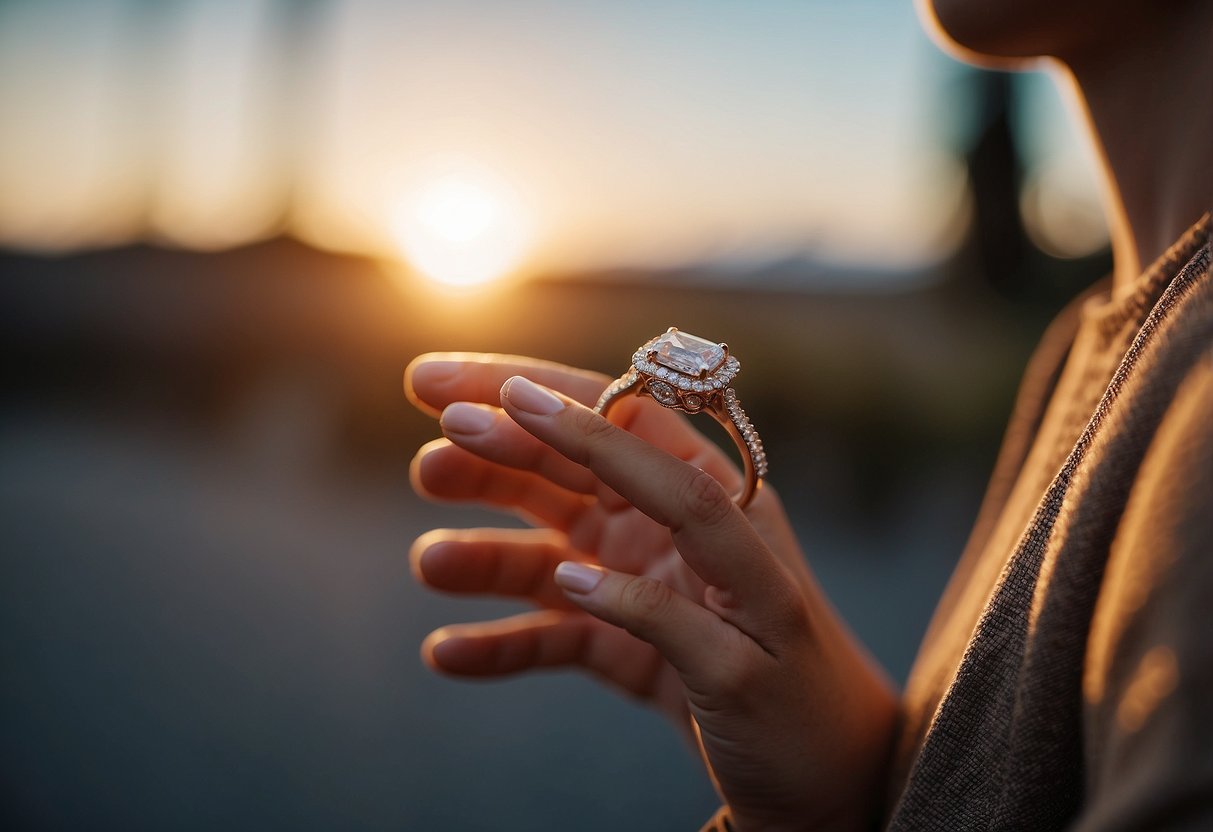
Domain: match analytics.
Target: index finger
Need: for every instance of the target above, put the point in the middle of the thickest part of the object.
(712, 534)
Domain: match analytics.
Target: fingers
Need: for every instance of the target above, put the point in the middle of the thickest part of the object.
(751, 589)
(705, 650)
(515, 563)
(552, 638)
(442, 471)
(435, 380)
(489, 434)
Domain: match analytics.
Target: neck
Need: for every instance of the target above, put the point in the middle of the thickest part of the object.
(1150, 104)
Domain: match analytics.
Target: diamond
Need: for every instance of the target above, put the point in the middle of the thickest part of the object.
(693, 402)
(663, 393)
(686, 353)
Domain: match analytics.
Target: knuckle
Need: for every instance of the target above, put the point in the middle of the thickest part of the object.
(595, 431)
(645, 600)
(593, 426)
(705, 501)
(739, 678)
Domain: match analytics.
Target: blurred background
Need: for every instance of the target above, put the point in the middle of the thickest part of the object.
(227, 225)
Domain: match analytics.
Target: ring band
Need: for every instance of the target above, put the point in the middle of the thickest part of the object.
(684, 372)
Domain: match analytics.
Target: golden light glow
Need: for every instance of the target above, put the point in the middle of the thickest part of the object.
(461, 229)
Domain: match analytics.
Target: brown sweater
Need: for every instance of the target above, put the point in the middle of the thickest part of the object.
(1066, 680)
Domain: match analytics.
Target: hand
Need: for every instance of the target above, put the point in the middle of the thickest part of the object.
(649, 576)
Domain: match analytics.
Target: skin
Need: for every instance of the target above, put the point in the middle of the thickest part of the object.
(711, 614)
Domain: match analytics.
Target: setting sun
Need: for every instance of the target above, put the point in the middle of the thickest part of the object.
(461, 229)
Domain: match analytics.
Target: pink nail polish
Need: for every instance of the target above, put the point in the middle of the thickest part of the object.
(435, 372)
(578, 577)
(528, 396)
(462, 417)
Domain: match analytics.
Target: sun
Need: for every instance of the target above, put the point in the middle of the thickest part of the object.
(461, 229)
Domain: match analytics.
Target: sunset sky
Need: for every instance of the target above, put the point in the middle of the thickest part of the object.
(554, 135)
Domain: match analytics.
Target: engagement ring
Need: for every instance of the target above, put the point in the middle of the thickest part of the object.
(684, 372)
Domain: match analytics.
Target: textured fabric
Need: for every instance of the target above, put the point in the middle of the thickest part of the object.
(1066, 679)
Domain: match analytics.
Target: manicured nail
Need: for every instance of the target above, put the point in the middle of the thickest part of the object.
(432, 645)
(462, 417)
(529, 396)
(439, 371)
(578, 577)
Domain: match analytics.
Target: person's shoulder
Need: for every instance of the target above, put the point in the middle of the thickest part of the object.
(1159, 573)
(1148, 674)
(1171, 349)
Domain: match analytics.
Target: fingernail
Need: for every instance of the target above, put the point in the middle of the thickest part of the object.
(431, 372)
(529, 396)
(578, 577)
(432, 645)
(462, 417)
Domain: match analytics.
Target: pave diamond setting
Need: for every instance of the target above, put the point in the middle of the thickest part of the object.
(663, 393)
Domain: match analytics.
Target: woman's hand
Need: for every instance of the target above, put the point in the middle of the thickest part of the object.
(648, 575)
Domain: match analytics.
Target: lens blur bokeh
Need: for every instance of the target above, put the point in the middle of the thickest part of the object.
(226, 227)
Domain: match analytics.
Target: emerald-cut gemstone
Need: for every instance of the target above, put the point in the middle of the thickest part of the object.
(687, 353)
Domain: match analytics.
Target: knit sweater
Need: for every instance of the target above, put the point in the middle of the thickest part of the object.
(1066, 679)
(1067, 676)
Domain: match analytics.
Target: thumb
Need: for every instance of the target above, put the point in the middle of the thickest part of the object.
(694, 640)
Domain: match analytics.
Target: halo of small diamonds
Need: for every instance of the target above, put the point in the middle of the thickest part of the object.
(719, 379)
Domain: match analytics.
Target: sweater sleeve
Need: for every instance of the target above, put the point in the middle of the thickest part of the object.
(1148, 680)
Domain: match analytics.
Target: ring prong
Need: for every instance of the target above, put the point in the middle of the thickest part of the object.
(724, 347)
(672, 329)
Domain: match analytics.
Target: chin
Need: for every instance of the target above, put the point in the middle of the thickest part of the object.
(1007, 34)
